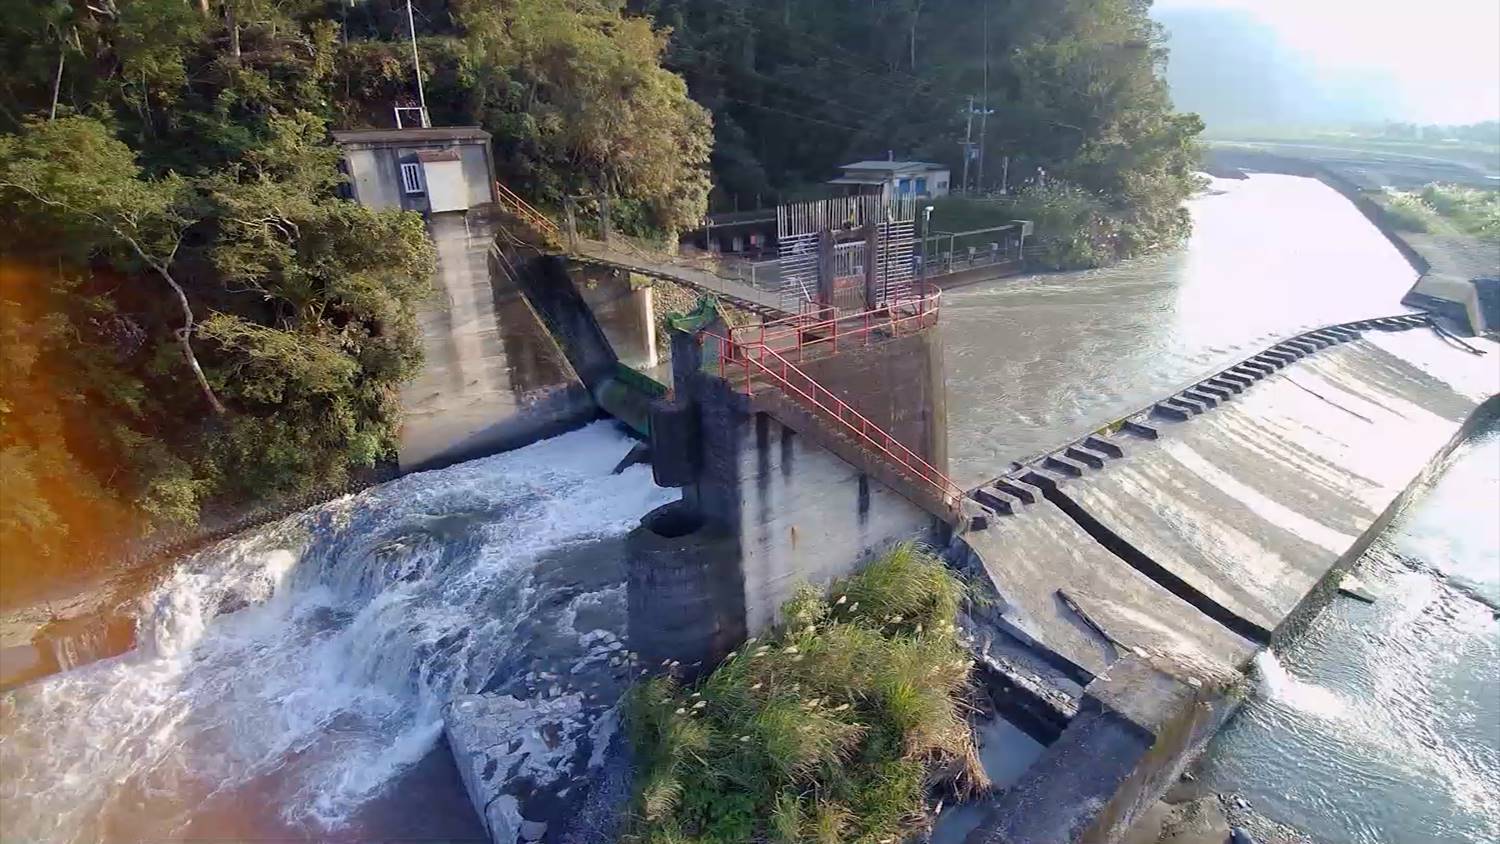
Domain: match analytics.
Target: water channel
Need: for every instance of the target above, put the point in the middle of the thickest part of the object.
(289, 680)
(1036, 361)
(1382, 723)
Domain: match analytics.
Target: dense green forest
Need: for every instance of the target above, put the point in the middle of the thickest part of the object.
(193, 319)
(1075, 87)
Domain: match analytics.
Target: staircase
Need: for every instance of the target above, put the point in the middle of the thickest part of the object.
(757, 360)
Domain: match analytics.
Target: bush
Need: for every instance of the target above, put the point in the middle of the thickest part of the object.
(1071, 229)
(1474, 210)
(1407, 211)
(830, 729)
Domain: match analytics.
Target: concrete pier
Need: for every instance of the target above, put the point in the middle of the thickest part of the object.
(776, 486)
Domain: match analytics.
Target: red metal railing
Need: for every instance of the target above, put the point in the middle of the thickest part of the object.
(521, 208)
(758, 359)
(824, 325)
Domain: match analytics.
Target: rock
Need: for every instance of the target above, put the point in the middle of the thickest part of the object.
(1238, 835)
(500, 818)
(1185, 790)
(532, 830)
(495, 737)
(1199, 821)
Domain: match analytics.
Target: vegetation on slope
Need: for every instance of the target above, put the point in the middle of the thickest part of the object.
(1074, 88)
(1442, 208)
(832, 728)
(192, 317)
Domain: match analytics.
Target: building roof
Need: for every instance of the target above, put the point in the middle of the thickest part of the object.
(435, 134)
(894, 166)
(871, 179)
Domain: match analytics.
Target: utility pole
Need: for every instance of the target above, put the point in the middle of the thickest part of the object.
(968, 142)
(416, 61)
(984, 107)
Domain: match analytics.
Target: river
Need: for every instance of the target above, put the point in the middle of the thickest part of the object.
(1035, 361)
(1382, 723)
(289, 680)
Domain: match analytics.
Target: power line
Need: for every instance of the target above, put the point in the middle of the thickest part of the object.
(805, 117)
(825, 44)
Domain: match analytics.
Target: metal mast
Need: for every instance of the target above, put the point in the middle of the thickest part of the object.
(416, 61)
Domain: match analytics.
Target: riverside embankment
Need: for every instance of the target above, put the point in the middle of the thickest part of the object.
(1447, 261)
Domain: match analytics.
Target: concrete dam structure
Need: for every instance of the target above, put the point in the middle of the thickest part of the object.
(1128, 578)
(1150, 566)
(1125, 579)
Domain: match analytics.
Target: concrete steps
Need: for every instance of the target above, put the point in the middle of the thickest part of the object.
(1022, 487)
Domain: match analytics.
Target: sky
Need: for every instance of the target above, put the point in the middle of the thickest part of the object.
(1442, 57)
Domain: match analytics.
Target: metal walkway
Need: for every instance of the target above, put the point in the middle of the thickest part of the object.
(680, 270)
(620, 254)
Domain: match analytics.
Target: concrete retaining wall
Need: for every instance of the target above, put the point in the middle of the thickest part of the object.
(493, 378)
(898, 384)
(793, 501)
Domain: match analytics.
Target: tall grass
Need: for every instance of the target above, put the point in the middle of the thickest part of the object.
(1443, 207)
(830, 729)
(1408, 212)
(1474, 210)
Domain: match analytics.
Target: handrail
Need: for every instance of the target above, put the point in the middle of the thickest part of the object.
(525, 211)
(871, 434)
(813, 328)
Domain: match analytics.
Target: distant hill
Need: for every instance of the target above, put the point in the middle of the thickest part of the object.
(1237, 74)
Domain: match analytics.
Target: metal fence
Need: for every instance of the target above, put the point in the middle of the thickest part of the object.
(956, 252)
(801, 227)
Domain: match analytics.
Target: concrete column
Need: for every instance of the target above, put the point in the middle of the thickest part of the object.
(825, 268)
(646, 300)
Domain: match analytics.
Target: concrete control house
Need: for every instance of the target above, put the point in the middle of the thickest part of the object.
(893, 179)
(428, 170)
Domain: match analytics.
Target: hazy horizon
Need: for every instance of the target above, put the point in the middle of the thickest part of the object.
(1246, 62)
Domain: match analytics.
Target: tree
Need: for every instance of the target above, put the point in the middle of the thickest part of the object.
(577, 89)
(73, 171)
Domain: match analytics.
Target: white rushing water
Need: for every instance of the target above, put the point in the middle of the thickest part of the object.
(1381, 723)
(294, 670)
(1284, 688)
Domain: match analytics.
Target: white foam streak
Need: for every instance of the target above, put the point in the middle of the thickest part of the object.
(308, 660)
(1282, 687)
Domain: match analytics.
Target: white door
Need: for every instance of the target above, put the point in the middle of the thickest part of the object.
(445, 185)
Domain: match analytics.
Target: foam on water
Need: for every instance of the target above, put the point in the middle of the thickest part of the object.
(302, 665)
(1380, 723)
(1282, 688)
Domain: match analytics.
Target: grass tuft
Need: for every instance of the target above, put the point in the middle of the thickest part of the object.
(830, 729)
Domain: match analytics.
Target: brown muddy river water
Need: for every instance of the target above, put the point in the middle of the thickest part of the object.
(1037, 360)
